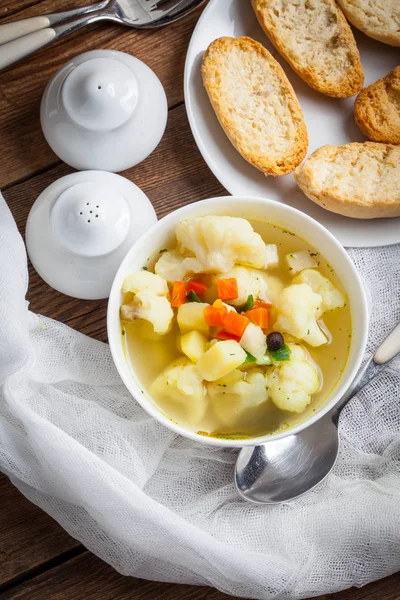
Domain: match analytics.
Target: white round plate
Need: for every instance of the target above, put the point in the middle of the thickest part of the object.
(329, 121)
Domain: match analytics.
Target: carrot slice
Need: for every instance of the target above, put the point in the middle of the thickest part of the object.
(235, 323)
(224, 335)
(197, 286)
(178, 294)
(227, 288)
(259, 316)
(213, 316)
(261, 304)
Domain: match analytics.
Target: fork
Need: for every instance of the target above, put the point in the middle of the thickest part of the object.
(22, 38)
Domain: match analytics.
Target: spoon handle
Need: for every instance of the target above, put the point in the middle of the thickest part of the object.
(386, 352)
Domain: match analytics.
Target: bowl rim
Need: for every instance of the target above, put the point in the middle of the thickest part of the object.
(114, 337)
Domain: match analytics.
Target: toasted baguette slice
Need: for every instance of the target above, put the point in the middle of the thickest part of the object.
(316, 40)
(380, 19)
(255, 104)
(355, 180)
(377, 109)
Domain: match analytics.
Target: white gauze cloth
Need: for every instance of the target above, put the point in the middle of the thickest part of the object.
(157, 506)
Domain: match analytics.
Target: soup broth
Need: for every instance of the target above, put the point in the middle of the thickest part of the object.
(149, 354)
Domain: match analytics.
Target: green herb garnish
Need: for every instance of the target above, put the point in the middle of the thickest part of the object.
(249, 358)
(192, 296)
(144, 269)
(281, 354)
(163, 250)
(249, 304)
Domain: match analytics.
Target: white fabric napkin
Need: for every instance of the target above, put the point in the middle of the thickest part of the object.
(157, 506)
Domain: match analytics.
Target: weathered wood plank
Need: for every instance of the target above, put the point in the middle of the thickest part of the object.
(29, 537)
(24, 149)
(88, 578)
(21, 9)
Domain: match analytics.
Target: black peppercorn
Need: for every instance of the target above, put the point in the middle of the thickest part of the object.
(275, 341)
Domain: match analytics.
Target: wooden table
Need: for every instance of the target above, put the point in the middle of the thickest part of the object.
(38, 560)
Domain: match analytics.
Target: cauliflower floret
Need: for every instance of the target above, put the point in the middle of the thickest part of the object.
(332, 297)
(155, 309)
(145, 280)
(232, 395)
(150, 301)
(298, 310)
(254, 341)
(171, 266)
(292, 384)
(272, 289)
(217, 243)
(181, 384)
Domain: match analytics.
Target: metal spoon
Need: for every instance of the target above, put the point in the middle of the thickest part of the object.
(42, 31)
(288, 468)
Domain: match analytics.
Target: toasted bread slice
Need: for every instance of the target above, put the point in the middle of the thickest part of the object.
(380, 19)
(316, 40)
(377, 109)
(355, 180)
(255, 104)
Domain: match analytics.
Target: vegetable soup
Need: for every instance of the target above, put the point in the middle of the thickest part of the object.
(238, 330)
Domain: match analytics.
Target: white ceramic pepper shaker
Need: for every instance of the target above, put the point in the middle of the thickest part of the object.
(104, 110)
(80, 228)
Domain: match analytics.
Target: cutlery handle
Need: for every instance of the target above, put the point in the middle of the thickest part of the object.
(389, 348)
(17, 29)
(14, 51)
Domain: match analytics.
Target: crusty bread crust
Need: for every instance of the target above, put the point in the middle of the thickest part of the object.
(355, 180)
(377, 109)
(255, 104)
(379, 19)
(316, 40)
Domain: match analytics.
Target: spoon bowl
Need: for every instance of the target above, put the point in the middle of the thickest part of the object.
(287, 468)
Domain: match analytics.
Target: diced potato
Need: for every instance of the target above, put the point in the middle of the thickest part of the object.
(298, 261)
(220, 360)
(332, 297)
(233, 377)
(254, 340)
(190, 317)
(194, 345)
(271, 256)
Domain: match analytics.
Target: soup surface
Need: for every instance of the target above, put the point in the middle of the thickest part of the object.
(243, 330)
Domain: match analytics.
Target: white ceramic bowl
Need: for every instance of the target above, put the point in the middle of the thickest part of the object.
(161, 236)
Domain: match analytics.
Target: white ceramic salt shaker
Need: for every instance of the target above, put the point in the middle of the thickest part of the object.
(104, 110)
(80, 228)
